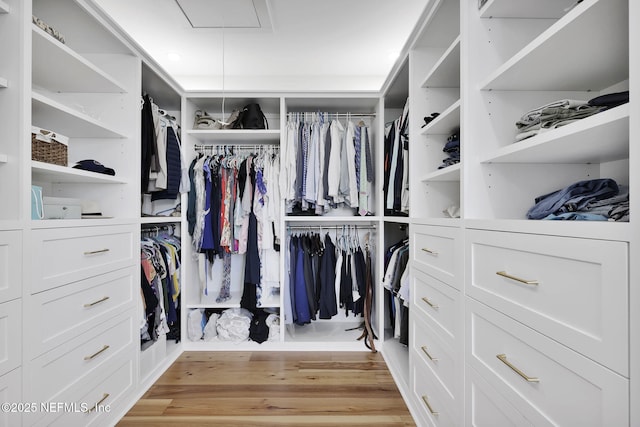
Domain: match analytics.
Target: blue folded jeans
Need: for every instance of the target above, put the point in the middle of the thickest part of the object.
(573, 198)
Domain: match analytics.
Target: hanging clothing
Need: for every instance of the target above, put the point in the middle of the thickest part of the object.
(396, 165)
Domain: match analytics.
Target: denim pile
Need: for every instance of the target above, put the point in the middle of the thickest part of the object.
(591, 200)
(563, 112)
(452, 148)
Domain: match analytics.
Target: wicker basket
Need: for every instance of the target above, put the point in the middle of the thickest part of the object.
(49, 147)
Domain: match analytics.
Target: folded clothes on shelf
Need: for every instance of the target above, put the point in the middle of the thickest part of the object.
(94, 166)
(452, 148)
(590, 200)
(563, 112)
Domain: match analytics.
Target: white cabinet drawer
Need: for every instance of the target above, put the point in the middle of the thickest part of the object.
(432, 351)
(10, 265)
(64, 255)
(580, 294)
(10, 392)
(61, 314)
(98, 400)
(10, 336)
(549, 383)
(486, 408)
(432, 400)
(56, 370)
(436, 251)
(439, 303)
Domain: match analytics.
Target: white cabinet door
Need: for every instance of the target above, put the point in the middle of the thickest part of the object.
(10, 264)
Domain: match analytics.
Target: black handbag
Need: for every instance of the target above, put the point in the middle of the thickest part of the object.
(251, 117)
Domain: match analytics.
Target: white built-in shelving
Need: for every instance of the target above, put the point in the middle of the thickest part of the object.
(63, 174)
(236, 136)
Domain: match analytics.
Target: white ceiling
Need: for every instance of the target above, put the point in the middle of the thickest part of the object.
(305, 45)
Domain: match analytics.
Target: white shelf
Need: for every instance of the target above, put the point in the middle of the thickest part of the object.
(595, 68)
(599, 138)
(234, 302)
(448, 120)
(160, 219)
(4, 158)
(450, 173)
(331, 219)
(440, 222)
(60, 69)
(4, 7)
(50, 114)
(246, 136)
(397, 219)
(3, 83)
(62, 174)
(525, 8)
(446, 71)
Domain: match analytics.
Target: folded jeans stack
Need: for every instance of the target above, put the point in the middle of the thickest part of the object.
(591, 200)
(452, 148)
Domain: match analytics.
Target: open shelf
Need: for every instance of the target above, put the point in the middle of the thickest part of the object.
(62, 174)
(551, 9)
(52, 115)
(397, 219)
(3, 83)
(54, 63)
(445, 122)
(450, 173)
(160, 219)
(599, 138)
(342, 220)
(4, 7)
(247, 136)
(446, 71)
(271, 301)
(557, 45)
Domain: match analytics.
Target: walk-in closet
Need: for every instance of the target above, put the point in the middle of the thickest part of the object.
(445, 185)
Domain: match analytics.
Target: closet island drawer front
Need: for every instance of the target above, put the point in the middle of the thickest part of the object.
(549, 383)
(434, 353)
(66, 255)
(10, 336)
(10, 265)
(436, 251)
(61, 314)
(437, 303)
(573, 290)
(60, 368)
(434, 404)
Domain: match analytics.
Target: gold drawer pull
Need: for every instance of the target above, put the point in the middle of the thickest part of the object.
(425, 299)
(106, 347)
(429, 251)
(425, 399)
(503, 359)
(424, 349)
(91, 304)
(517, 279)
(104, 397)
(100, 251)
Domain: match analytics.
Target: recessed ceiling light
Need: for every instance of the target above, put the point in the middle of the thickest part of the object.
(173, 56)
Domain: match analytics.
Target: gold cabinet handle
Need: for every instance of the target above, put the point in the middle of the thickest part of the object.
(517, 279)
(424, 350)
(503, 359)
(425, 399)
(104, 397)
(432, 305)
(106, 347)
(99, 251)
(429, 251)
(91, 304)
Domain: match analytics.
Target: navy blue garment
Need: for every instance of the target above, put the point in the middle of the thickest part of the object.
(346, 282)
(174, 169)
(573, 198)
(207, 234)
(302, 304)
(328, 303)
(358, 306)
(292, 276)
(191, 202)
(249, 298)
(147, 140)
(308, 275)
(610, 100)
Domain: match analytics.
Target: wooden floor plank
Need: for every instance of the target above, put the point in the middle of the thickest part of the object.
(273, 389)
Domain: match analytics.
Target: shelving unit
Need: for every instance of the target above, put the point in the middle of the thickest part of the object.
(450, 173)
(446, 71)
(62, 174)
(235, 136)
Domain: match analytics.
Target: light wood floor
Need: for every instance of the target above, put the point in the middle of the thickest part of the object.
(273, 389)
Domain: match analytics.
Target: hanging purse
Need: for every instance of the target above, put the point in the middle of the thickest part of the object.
(252, 117)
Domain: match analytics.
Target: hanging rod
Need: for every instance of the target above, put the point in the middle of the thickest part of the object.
(292, 113)
(329, 227)
(245, 147)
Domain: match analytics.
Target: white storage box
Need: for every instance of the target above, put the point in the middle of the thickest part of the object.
(62, 208)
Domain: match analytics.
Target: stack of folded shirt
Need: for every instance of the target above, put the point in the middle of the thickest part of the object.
(565, 111)
(452, 148)
(591, 200)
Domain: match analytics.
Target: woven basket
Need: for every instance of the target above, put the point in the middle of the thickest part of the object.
(49, 147)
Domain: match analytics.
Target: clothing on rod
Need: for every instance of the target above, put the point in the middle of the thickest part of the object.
(396, 165)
